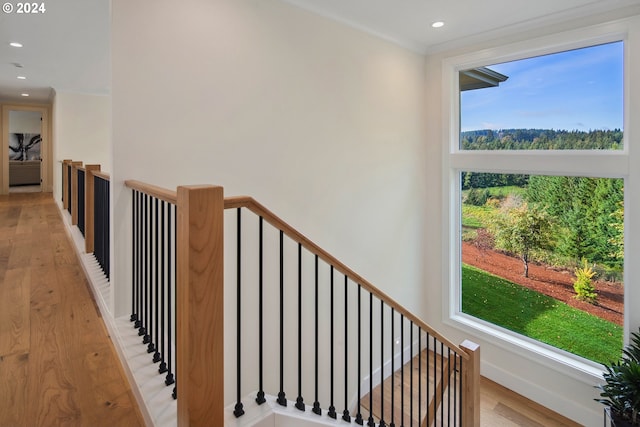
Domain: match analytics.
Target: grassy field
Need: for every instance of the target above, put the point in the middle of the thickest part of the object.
(477, 216)
(538, 316)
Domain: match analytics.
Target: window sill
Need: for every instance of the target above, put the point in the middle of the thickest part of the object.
(562, 361)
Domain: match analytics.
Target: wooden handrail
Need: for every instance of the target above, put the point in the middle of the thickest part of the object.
(102, 175)
(152, 190)
(278, 223)
(260, 210)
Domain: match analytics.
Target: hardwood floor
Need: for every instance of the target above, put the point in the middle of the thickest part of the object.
(57, 363)
(499, 406)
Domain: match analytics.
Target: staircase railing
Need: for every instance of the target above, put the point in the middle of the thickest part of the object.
(333, 336)
(85, 195)
(97, 237)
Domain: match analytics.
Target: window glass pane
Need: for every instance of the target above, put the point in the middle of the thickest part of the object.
(543, 256)
(566, 100)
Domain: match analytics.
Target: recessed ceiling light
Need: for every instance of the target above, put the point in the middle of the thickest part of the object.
(25, 94)
(22, 78)
(437, 24)
(15, 44)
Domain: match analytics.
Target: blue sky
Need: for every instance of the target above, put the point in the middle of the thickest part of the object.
(575, 90)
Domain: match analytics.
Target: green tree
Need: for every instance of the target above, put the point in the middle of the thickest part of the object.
(582, 208)
(617, 240)
(583, 284)
(521, 230)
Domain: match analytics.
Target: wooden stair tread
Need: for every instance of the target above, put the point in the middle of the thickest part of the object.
(432, 366)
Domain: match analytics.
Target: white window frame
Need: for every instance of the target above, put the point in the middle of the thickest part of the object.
(606, 163)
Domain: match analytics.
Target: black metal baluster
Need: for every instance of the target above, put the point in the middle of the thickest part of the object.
(134, 211)
(96, 222)
(358, 419)
(147, 272)
(449, 388)
(345, 414)
(428, 370)
(281, 395)
(419, 374)
(143, 266)
(411, 370)
(149, 281)
(169, 379)
(300, 401)
(106, 228)
(153, 283)
(163, 365)
(103, 215)
(454, 385)
(174, 394)
(459, 387)
(332, 409)
(371, 423)
(156, 355)
(402, 369)
(139, 246)
(238, 410)
(316, 404)
(393, 370)
(435, 376)
(260, 396)
(441, 383)
(382, 423)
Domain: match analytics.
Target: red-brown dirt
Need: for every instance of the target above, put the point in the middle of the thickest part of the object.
(555, 283)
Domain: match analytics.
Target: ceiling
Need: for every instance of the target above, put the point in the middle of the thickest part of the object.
(67, 46)
(408, 22)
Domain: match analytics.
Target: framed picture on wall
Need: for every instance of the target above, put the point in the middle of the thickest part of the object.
(24, 146)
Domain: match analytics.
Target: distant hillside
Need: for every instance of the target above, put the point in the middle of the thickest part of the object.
(541, 139)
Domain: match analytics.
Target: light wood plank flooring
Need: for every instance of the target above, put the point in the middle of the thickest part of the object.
(499, 406)
(57, 362)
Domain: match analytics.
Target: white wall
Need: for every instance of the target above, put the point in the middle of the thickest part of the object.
(81, 132)
(321, 123)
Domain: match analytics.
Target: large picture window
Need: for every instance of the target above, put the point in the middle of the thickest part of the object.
(537, 182)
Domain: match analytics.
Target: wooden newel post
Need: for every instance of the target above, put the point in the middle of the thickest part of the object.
(471, 385)
(73, 197)
(66, 164)
(199, 312)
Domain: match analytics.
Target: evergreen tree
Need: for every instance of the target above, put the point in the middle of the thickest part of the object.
(582, 209)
